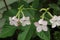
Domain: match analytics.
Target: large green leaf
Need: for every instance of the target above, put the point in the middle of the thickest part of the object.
(58, 2)
(54, 6)
(56, 9)
(27, 34)
(7, 31)
(29, 1)
(10, 13)
(35, 4)
(22, 2)
(29, 12)
(44, 35)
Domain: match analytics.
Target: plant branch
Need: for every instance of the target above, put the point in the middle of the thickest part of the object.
(5, 4)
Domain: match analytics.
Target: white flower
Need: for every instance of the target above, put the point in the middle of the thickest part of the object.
(13, 21)
(41, 25)
(25, 21)
(55, 21)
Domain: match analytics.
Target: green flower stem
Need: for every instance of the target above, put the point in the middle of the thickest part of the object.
(46, 11)
(43, 15)
(21, 7)
(22, 12)
(50, 14)
(17, 13)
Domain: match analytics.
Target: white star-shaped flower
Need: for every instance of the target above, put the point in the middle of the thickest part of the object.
(55, 21)
(41, 25)
(13, 21)
(25, 21)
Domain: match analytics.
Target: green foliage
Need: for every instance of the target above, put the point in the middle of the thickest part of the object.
(2, 22)
(31, 10)
(57, 35)
(27, 33)
(35, 4)
(44, 35)
(7, 31)
(58, 2)
(56, 9)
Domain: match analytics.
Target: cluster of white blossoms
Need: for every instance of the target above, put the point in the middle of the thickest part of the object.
(55, 21)
(41, 25)
(15, 21)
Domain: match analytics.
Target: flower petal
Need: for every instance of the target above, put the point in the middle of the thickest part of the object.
(53, 25)
(40, 21)
(36, 24)
(43, 22)
(39, 29)
(44, 28)
(11, 23)
(23, 24)
(28, 22)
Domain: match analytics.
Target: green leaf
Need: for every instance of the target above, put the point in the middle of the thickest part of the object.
(29, 12)
(54, 6)
(56, 9)
(56, 35)
(27, 34)
(2, 22)
(35, 4)
(29, 1)
(10, 13)
(1, 15)
(7, 31)
(22, 2)
(44, 35)
(58, 2)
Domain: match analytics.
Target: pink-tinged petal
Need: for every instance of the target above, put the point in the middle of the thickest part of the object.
(23, 24)
(25, 21)
(14, 17)
(54, 17)
(58, 18)
(44, 23)
(36, 24)
(51, 21)
(11, 23)
(38, 29)
(28, 22)
(27, 18)
(45, 28)
(54, 25)
(58, 23)
(40, 21)
(16, 24)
